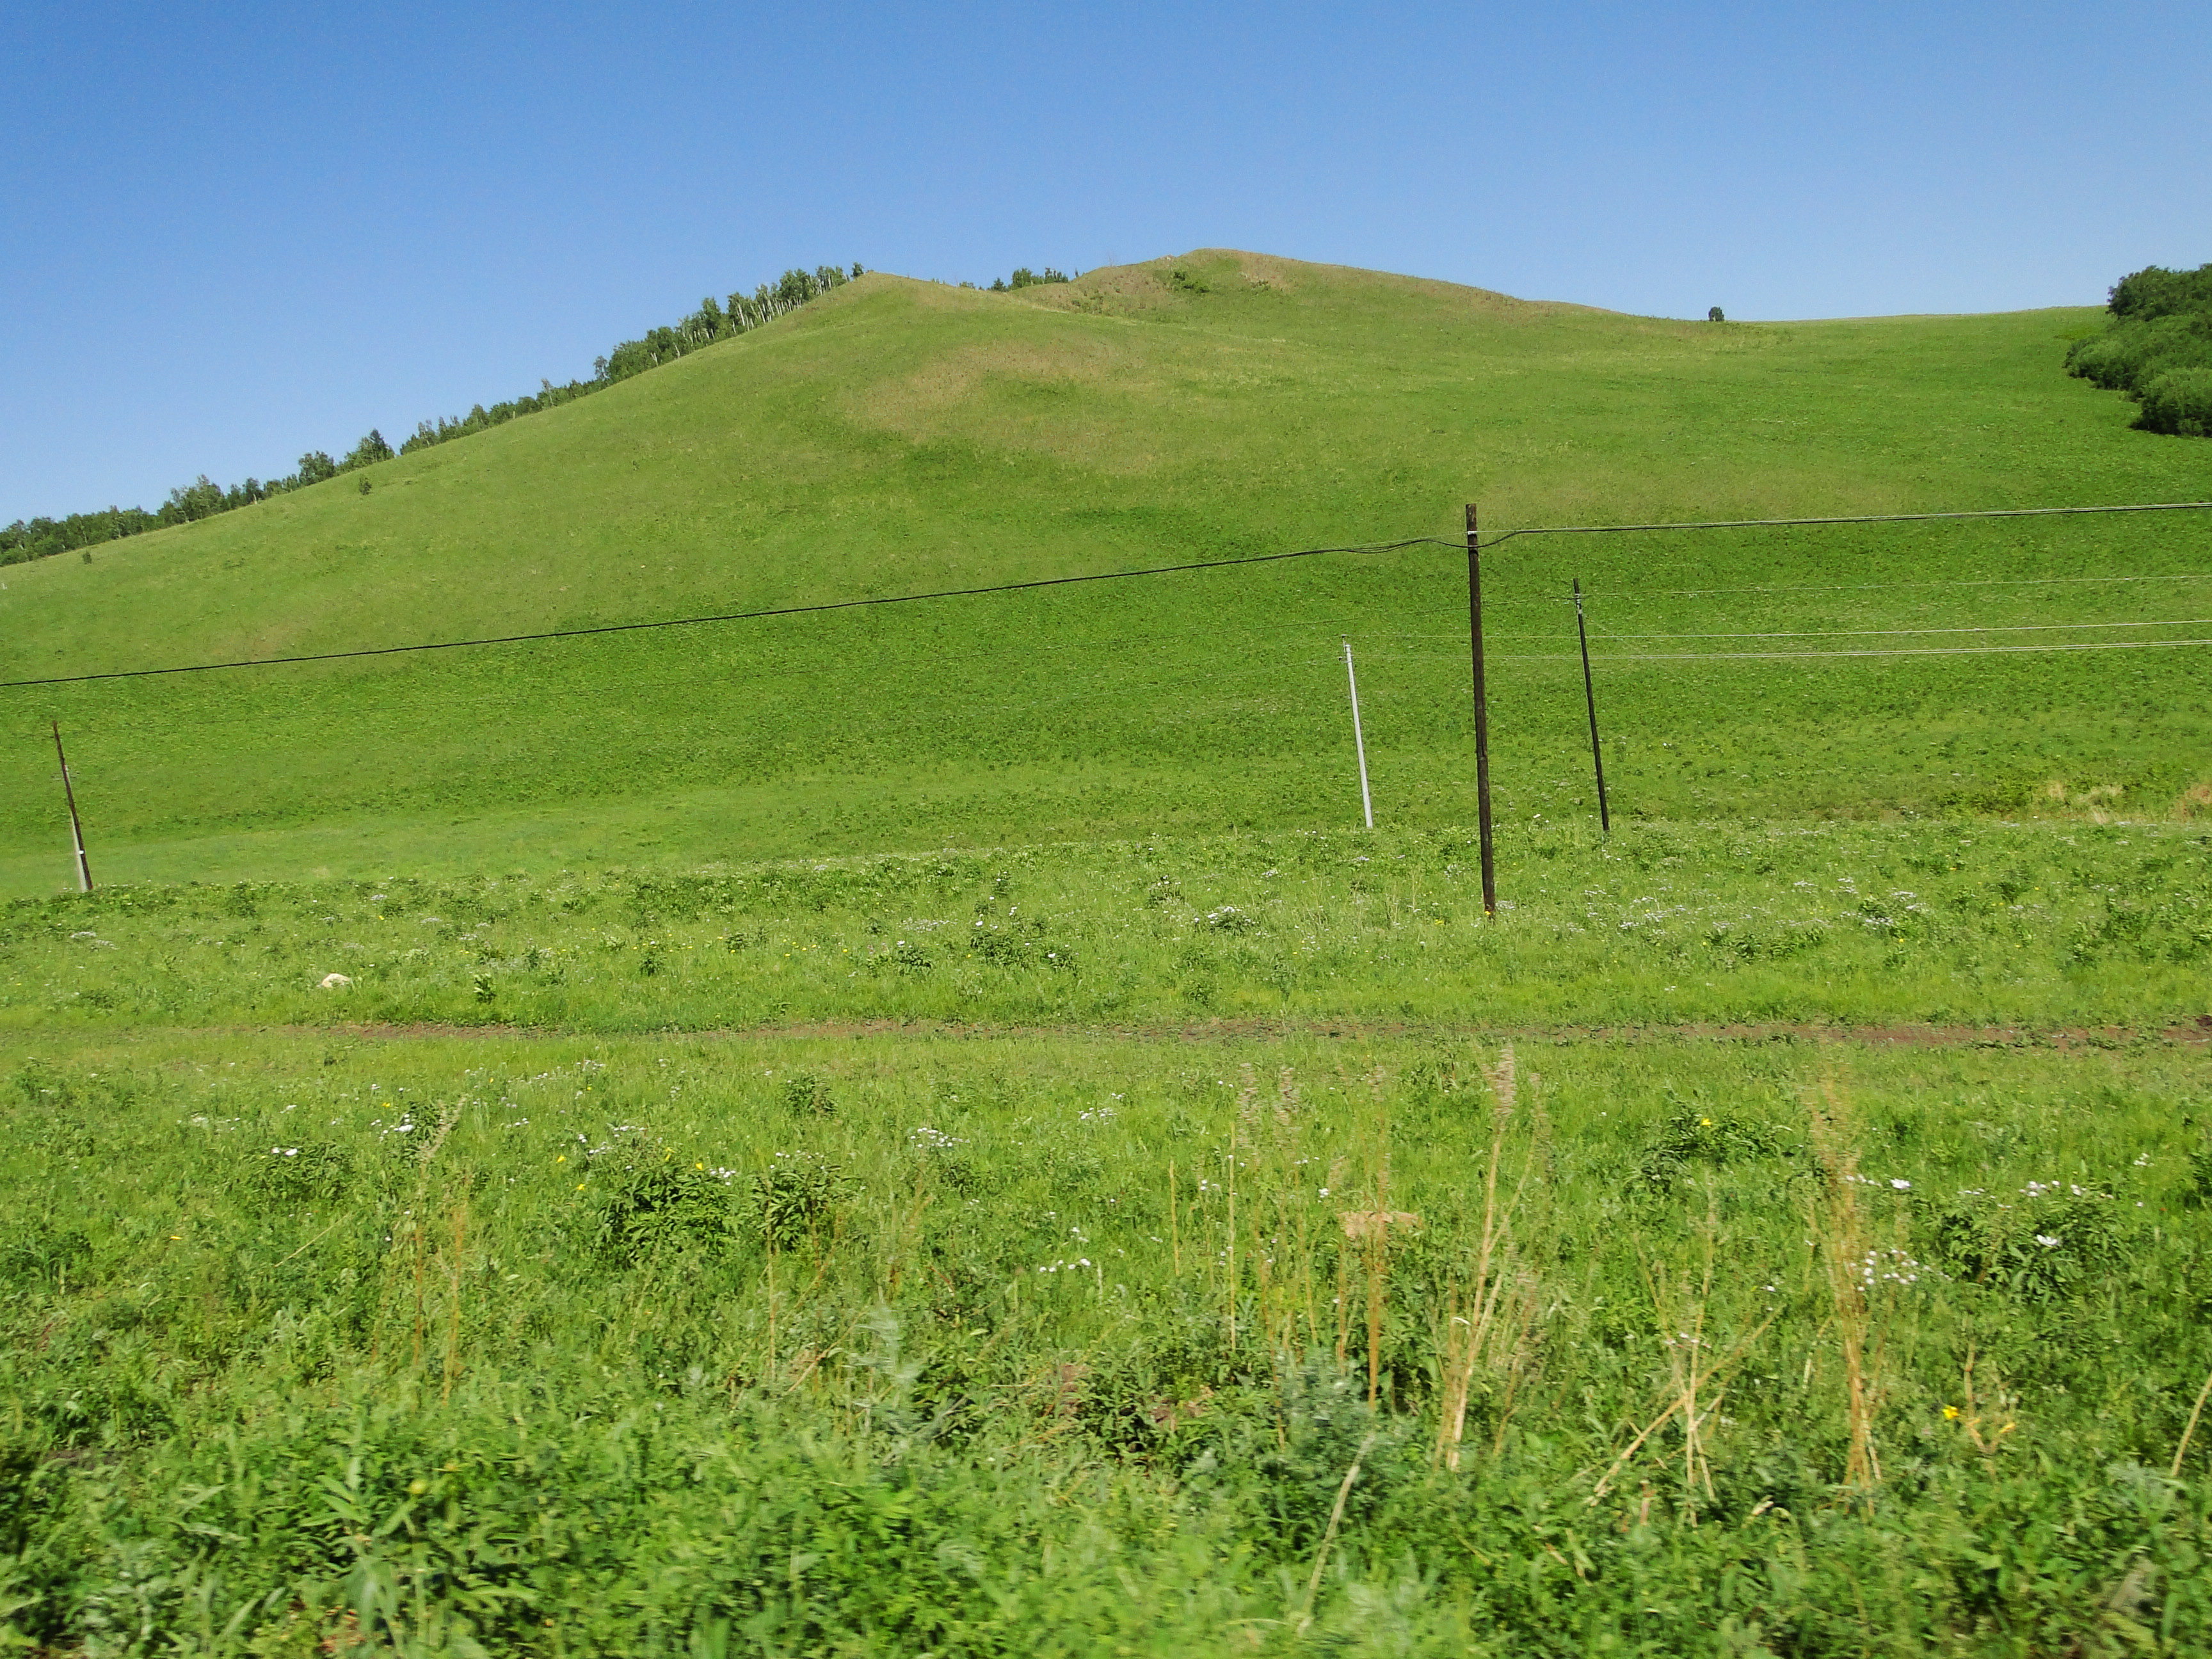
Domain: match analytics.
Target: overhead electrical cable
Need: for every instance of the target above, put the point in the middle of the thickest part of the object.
(1875, 651)
(1064, 581)
(720, 617)
(1853, 518)
(1877, 633)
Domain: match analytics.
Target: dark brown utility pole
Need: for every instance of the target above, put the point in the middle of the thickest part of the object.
(1481, 716)
(76, 829)
(1590, 697)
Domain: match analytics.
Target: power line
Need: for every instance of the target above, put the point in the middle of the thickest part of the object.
(1881, 587)
(1874, 633)
(1889, 651)
(1094, 687)
(1884, 587)
(1855, 518)
(723, 616)
(1122, 576)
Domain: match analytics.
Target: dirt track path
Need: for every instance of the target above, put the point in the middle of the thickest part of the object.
(2196, 1034)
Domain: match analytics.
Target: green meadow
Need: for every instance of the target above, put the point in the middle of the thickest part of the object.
(2030, 928)
(930, 1129)
(900, 437)
(898, 1342)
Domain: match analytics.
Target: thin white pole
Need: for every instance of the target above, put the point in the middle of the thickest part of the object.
(1359, 741)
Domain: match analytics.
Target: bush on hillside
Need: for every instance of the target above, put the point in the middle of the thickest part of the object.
(2130, 354)
(2179, 401)
(2158, 348)
(2155, 291)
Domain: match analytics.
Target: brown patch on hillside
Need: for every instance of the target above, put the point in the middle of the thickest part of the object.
(1092, 397)
(1149, 285)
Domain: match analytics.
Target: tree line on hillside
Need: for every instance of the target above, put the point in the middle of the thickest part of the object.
(2157, 348)
(1024, 277)
(43, 537)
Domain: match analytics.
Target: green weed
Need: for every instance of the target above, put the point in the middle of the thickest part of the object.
(1031, 1317)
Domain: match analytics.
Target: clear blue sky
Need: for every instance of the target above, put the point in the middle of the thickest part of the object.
(235, 233)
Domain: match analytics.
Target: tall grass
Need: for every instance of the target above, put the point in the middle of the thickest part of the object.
(2034, 926)
(563, 1343)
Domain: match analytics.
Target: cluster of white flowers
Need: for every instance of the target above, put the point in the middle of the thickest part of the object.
(1891, 1267)
(924, 1138)
(1055, 1266)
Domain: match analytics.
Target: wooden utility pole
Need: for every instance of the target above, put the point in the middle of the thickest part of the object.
(1590, 697)
(76, 829)
(1481, 716)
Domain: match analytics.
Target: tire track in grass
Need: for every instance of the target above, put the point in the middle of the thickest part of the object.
(2197, 1033)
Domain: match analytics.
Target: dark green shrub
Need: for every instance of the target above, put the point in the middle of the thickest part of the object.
(660, 1207)
(1285, 1453)
(311, 1172)
(2128, 356)
(2040, 1244)
(2199, 1195)
(44, 1087)
(1698, 1133)
(2158, 348)
(2155, 291)
(796, 1198)
(906, 957)
(808, 1092)
(2178, 402)
(41, 1252)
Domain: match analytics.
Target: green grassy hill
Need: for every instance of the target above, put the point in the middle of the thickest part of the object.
(900, 436)
(485, 1247)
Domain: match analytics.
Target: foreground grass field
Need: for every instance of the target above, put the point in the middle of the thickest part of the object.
(2033, 926)
(902, 436)
(979, 1254)
(1053, 1345)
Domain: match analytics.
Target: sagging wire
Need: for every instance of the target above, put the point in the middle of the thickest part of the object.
(1123, 575)
(1878, 633)
(722, 617)
(1853, 518)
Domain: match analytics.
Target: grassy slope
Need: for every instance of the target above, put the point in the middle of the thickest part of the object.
(901, 435)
